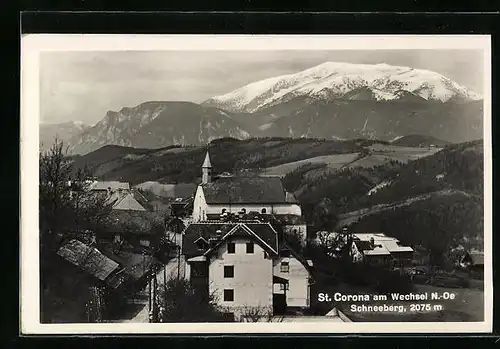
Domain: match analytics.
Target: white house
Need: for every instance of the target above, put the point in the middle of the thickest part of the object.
(236, 194)
(246, 267)
(379, 248)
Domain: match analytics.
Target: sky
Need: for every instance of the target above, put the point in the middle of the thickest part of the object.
(83, 86)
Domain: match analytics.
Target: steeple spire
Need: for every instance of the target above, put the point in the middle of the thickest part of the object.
(206, 170)
(207, 163)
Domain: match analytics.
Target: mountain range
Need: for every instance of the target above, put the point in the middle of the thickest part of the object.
(329, 101)
(63, 131)
(331, 80)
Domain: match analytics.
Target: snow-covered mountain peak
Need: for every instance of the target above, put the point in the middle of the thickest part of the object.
(336, 79)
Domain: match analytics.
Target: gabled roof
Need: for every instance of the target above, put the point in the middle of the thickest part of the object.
(206, 162)
(262, 233)
(126, 200)
(88, 259)
(245, 190)
(205, 230)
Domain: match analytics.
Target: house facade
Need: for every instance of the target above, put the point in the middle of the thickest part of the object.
(264, 195)
(296, 291)
(246, 267)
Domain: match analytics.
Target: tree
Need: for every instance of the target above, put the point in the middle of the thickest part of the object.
(295, 240)
(256, 314)
(179, 301)
(67, 209)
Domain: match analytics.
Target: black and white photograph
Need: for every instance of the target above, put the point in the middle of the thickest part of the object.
(256, 184)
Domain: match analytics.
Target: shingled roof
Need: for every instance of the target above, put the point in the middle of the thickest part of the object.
(263, 233)
(88, 259)
(245, 190)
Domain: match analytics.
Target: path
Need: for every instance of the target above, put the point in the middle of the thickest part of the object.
(143, 297)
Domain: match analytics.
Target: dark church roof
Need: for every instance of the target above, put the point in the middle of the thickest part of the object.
(245, 190)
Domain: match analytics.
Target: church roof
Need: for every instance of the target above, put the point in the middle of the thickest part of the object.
(207, 162)
(245, 190)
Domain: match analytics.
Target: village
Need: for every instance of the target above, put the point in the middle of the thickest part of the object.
(239, 244)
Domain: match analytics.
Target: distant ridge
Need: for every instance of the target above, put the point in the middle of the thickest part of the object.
(419, 141)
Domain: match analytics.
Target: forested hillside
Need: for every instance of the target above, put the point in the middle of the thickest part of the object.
(434, 201)
(177, 164)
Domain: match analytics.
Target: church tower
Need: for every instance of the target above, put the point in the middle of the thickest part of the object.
(206, 170)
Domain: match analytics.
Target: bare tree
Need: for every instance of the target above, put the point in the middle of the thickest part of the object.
(181, 301)
(67, 209)
(256, 313)
(333, 244)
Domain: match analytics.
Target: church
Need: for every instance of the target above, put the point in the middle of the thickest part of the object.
(240, 195)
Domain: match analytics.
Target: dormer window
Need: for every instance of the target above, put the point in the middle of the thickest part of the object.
(201, 243)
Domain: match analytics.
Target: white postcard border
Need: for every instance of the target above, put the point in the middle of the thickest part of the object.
(31, 47)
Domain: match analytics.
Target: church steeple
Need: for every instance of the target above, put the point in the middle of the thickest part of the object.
(206, 170)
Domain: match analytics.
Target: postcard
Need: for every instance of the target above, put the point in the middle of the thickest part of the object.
(218, 184)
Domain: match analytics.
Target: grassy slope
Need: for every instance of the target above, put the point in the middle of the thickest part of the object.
(227, 155)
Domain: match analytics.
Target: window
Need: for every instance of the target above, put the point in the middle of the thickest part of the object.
(229, 271)
(284, 287)
(231, 247)
(263, 211)
(228, 295)
(285, 267)
(249, 247)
